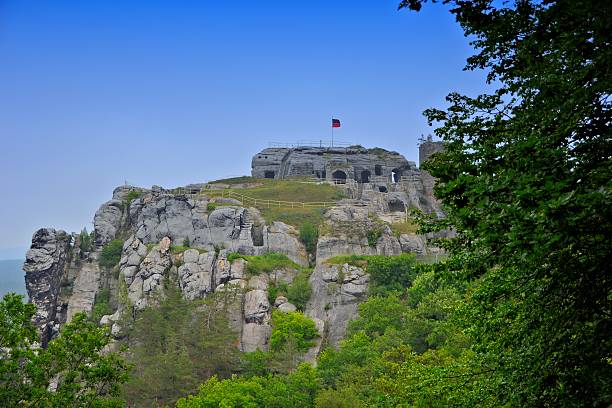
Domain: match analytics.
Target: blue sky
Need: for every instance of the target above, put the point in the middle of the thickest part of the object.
(94, 93)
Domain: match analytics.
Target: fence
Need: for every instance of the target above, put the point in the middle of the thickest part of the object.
(246, 200)
(310, 143)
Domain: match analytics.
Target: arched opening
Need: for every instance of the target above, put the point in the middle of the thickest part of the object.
(365, 176)
(339, 176)
(396, 175)
(396, 206)
(269, 174)
(382, 189)
(378, 170)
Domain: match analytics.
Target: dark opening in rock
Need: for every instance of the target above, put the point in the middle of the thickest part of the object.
(339, 176)
(365, 176)
(396, 206)
(396, 175)
(269, 174)
(382, 189)
(378, 170)
(257, 235)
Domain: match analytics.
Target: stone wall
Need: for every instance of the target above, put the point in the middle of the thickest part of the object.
(356, 163)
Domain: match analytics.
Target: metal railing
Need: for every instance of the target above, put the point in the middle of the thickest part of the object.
(255, 202)
(311, 143)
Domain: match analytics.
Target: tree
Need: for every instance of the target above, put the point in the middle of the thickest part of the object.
(526, 183)
(71, 371)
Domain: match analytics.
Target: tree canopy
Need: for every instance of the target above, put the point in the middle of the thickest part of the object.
(526, 182)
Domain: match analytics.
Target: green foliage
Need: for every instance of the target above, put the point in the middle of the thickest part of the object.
(133, 195)
(309, 234)
(86, 240)
(84, 376)
(404, 227)
(296, 390)
(177, 344)
(292, 326)
(373, 237)
(525, 180)
(391, 272)
(111, 254)
(298, 292)
(101, 305)
(210, 207)
(264, 263)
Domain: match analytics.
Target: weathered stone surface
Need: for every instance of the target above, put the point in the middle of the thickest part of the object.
(107, 221)
(195, 275)
(335, 303)
(412, 243)
(280, 300)
(256, 306)
(282, 238)
(287, 307)
(44, 268)
(255, 337)
(356, 163)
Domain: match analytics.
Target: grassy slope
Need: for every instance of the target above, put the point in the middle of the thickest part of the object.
(288, 190)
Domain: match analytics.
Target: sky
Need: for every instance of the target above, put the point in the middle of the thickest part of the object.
(94, 94)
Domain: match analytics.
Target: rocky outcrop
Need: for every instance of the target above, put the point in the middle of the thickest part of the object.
(337, 291)
(44, 268)
(107, 221)
(353, 230)
(196, 273)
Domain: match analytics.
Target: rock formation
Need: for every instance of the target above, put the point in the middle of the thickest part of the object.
(172, 238)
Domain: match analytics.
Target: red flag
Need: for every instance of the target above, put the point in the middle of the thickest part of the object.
(335, 123)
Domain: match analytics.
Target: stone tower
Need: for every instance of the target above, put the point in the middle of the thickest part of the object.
(427, 148)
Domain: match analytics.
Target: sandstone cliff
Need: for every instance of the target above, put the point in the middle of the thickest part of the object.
(185, 237)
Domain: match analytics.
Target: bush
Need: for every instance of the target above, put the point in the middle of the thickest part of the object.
(210, 207)
(111, 254)
(294, 327)
(186, 242)
(309, 234)
(299, 291)
(391, 272)
(264, 263)
(133, 195)
(101, 305)
(373, 237)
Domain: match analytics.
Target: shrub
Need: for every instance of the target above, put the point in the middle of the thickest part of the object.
(309, 234)
(373, 237)
(101, 305)
(264, 263)
(111, 254)
(292, 326)
(391, 272)
(299, 291)
(210, 207)
(186, 242)
(132, 195)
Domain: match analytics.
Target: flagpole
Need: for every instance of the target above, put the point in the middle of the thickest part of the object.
(332, 125)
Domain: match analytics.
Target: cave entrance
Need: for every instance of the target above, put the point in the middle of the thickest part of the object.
(382, 189)
(397, 206)
(339, 177)
(365, 176)
(269, 174)
(378, 170)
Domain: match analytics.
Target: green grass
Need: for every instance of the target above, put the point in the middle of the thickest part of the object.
(400, 228)
(264, 263)
(177, 249)
(288, 190)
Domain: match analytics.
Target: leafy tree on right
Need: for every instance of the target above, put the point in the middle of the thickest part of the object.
(526, 182)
